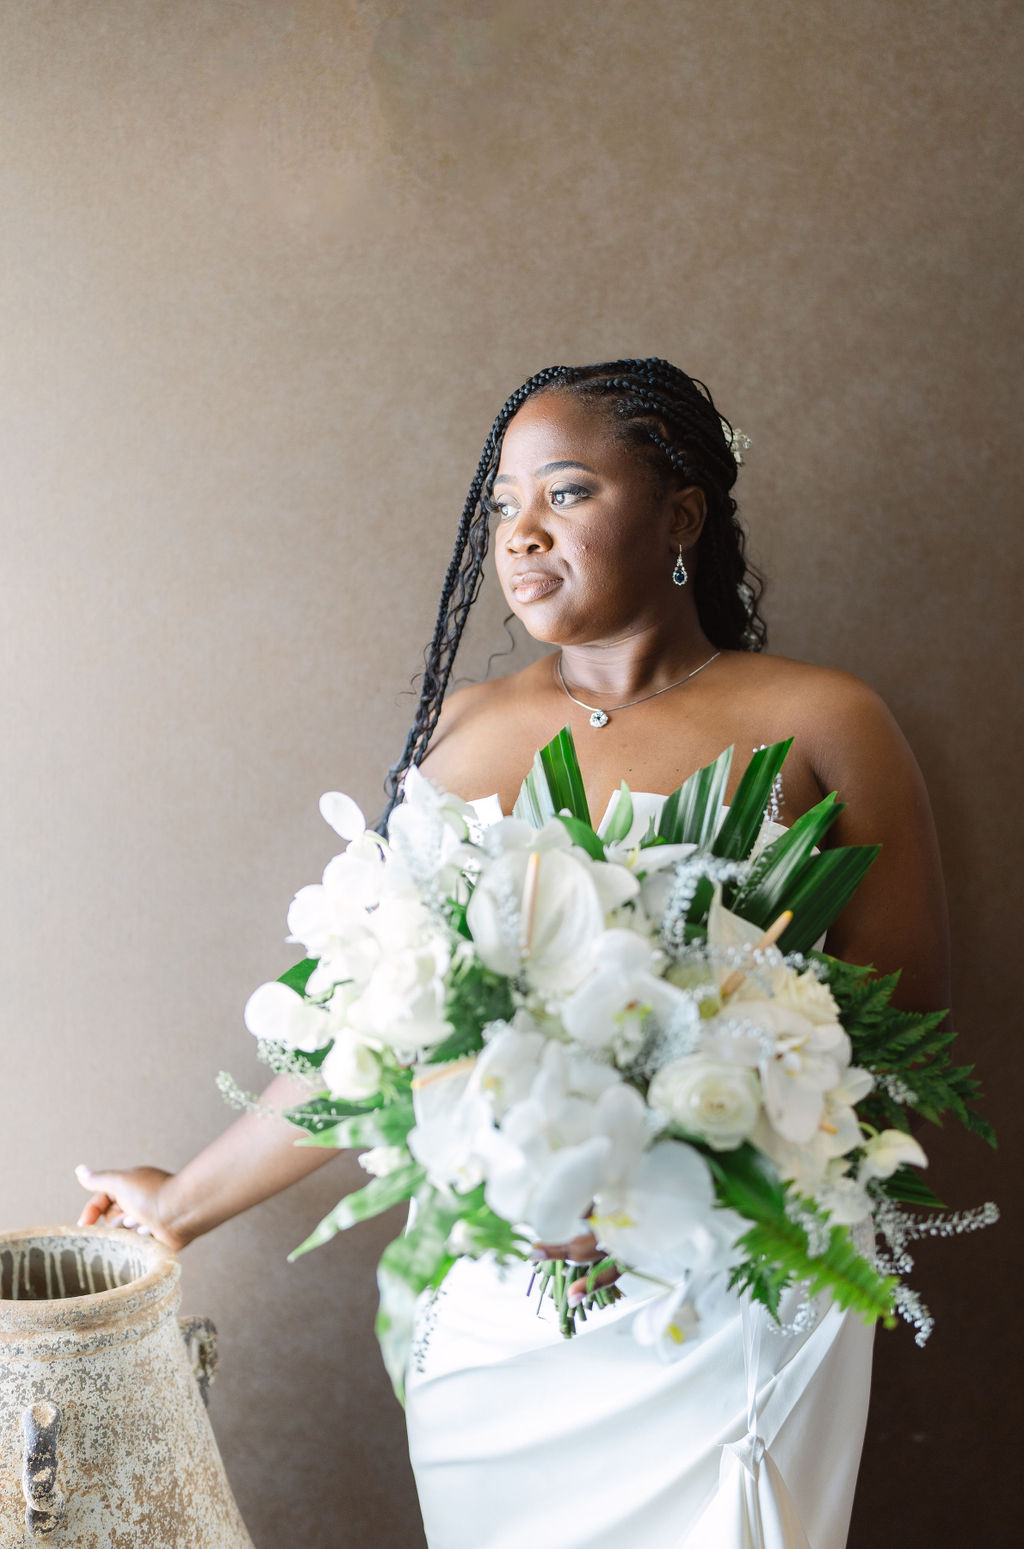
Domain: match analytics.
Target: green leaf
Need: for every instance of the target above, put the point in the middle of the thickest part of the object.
(781, 863)
(583, 835)
(297, 977)
(621, 819)
(777, 1246)
(690, 815)
(386, 1126)
(742, 822)
(821, 893)
(378, 1195)
(321, 1113)
(410, 1265)
(909, 1188)
(475, 996)
(554, 784)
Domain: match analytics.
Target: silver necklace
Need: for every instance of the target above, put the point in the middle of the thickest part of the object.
(599, 718)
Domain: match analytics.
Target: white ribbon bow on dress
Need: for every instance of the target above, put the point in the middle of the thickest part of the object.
(752, 1507)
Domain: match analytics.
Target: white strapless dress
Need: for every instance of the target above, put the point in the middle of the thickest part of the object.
(750, 1439)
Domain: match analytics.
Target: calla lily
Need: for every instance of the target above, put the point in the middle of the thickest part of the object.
(886, 1151)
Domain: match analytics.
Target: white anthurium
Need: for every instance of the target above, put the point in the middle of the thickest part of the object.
(274, 1013)
(547, 930)
(609, 1012)
(659, 1218)
(711, 1099)
(888, 1150)
(350, 1069)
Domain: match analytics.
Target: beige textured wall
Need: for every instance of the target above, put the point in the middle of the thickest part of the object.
(267, 272)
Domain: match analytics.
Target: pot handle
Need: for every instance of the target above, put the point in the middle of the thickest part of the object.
(44, 1503)
(200, 1336)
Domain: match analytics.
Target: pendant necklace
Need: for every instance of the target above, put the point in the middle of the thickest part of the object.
(599, 718)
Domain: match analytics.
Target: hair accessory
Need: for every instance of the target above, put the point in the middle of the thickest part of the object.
(738, 441)
(599, 718)
(680, 574)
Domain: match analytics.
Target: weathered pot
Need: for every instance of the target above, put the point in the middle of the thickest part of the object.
(104, 1438)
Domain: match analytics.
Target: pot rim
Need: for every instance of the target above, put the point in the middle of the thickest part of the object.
(159, 1282)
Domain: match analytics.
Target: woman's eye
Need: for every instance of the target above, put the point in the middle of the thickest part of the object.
(504, 510)
(568, 494)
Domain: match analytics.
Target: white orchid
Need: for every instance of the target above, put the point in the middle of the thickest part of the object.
(577, 1126)
(427, 833)
(351, 1070)
(453, 1127)
(658, 1217)
(610, 1011)
(274, 1013)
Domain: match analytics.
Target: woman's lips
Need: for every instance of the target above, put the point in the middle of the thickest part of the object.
(532, 585)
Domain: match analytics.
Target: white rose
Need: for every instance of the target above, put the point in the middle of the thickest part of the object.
(708, 1098)
(804, 992)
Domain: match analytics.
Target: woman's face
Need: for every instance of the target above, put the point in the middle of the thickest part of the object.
(585, 534)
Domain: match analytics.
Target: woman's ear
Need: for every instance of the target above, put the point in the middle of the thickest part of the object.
(689, 509)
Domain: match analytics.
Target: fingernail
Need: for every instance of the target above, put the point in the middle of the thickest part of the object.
(574, 1298)
(143, 1231)
(537, 1256)
(131, 1225)
(82, 1171)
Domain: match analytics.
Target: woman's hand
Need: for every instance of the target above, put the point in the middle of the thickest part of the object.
(132, 1199)
(581, 1250)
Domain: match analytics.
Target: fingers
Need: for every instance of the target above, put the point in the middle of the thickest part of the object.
(581, 1250)
(94, 1208)
(578, 1289)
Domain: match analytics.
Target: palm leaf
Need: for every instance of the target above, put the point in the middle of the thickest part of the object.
(621, 819)
(780, 864)
(690, 815)
(821, 893)
(554, 784)
(742, 822)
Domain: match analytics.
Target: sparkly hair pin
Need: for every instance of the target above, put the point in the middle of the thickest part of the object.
(738, 441)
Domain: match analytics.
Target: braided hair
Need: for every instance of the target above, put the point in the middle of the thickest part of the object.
(666, 415)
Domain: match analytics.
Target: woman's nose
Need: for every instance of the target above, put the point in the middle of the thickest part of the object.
(528, 534)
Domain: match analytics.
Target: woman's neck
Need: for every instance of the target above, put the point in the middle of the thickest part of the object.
(636, 663)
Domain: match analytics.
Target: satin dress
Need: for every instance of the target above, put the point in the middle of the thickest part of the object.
(749, 1439)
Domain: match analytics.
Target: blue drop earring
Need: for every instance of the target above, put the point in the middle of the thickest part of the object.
(680, 575)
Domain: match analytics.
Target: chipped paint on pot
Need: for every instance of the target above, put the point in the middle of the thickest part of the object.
(104, 1437)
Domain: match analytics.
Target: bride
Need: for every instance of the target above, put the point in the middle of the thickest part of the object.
(607, 490)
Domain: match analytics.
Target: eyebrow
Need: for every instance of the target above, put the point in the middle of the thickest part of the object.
(508, 478)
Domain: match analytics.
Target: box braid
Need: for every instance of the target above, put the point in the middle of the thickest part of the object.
(656, 407)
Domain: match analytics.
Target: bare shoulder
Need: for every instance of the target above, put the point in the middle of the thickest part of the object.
(837, 719)
(478, 729)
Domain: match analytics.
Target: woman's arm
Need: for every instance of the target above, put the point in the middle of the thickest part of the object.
(897, 919)
(253, 1159)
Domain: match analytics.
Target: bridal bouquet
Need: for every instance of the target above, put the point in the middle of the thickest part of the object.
(539, 1029)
